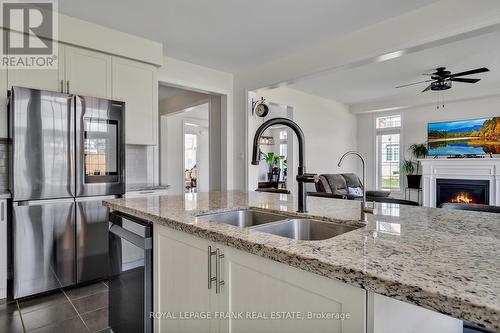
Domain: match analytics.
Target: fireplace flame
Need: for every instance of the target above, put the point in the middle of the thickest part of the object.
(462, 197)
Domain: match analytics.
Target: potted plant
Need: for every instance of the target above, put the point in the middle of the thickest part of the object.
(417, 151)
(412, 180)
(272, 161)
(285, 168)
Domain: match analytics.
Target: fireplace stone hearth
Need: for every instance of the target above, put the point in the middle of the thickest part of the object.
(456, 170)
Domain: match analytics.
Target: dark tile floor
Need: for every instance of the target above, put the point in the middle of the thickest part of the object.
(81, 309)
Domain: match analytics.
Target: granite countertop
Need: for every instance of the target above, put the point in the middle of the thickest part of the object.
(4, 194)
(146, 187)
(443, 260)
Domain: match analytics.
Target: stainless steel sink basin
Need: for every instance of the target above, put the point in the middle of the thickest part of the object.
(305, 229)
(244, 217)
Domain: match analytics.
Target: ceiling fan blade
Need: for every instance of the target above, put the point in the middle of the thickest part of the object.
(473, 71)
(428, 88)
(465, 80)
(411, 84)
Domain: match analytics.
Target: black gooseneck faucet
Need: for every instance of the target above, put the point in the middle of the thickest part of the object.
(301, 176)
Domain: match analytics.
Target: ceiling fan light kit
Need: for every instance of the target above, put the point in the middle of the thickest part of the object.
(442, 79)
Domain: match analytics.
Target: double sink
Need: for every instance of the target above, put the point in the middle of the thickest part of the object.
(280, 225)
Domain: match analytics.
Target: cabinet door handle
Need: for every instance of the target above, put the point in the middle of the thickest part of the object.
(62, 86)
(67, 86)
(211, 279)
(218, 281)
(2, 211)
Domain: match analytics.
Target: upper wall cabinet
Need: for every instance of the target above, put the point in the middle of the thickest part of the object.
(43, 79)
(79, 71)
(136, 84)
(87, 72)
(90, 73)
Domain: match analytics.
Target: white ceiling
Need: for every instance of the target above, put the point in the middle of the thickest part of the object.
(377, 81)
(234, 34)
(197, 112)
(167, 91)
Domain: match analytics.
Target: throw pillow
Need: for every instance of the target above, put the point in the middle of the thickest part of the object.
(356, 191)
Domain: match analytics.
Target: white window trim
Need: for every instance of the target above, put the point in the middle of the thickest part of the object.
(391, 130)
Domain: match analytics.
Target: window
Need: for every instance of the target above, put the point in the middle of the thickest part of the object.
(391, 153)
(389, 122)
(388, 142)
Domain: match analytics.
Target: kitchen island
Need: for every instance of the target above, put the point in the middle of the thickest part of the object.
(444, 261)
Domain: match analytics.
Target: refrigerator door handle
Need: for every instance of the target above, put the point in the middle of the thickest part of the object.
(86, 199)
(41, 202)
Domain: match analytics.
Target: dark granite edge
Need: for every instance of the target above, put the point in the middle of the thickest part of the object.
(457, 307)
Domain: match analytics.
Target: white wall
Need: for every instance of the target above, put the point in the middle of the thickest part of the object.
(203, 159)
(414, 124)
(329, 129)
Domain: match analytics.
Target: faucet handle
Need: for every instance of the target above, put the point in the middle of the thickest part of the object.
(308, 178)
(367, 209)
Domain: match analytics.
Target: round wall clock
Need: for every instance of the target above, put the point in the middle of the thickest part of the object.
(261, 109)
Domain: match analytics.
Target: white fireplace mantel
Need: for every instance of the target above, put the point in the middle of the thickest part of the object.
(459, 168)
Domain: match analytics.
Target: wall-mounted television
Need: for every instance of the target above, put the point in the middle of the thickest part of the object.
(464, 137)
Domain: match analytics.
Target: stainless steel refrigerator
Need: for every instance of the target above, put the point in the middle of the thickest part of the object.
(66, 156)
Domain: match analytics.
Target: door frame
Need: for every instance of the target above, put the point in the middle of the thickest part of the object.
(222, 165)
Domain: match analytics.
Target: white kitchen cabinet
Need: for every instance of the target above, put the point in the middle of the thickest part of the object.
(3, 248)
(43, 79)
(181, 281)
(87, 72)
(256, 284)
(90, 73)
(388, 315)
(137, 85)
(251, 285)
(79, 71)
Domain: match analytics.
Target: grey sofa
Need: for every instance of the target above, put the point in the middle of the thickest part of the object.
(337, 186)
(340, 183)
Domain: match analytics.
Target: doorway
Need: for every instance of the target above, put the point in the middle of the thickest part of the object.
(196, 170)
(190, 140)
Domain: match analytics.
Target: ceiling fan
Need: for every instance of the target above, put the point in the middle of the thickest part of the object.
(442, 79)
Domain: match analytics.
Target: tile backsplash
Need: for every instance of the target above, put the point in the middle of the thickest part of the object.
(4, 163)
(136, 162)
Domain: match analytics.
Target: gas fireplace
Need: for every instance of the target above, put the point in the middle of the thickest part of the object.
(462, 191)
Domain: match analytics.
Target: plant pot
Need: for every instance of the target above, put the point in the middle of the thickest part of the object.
(413, 181)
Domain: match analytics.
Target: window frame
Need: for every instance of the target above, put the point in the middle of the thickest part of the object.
(378, 153)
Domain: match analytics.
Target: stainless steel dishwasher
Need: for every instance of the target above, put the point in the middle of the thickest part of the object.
(130, 279)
